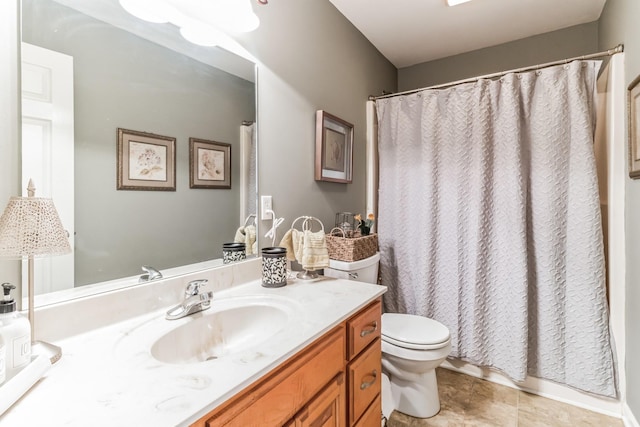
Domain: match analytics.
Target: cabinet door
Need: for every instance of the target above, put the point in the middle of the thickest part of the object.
(327, 409)
(364, 381)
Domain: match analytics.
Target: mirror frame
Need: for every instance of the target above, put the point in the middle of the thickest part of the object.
(10, 119)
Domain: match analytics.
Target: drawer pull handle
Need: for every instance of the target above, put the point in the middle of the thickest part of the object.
(371, 329)
(366, 385)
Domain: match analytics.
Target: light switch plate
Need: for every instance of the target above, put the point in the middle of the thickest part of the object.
(266, 204)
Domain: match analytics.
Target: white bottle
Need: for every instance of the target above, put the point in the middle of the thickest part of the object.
(16, 333)
(3, 364)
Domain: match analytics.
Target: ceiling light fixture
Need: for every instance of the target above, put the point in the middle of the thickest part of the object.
(456, 2)
(202, 22)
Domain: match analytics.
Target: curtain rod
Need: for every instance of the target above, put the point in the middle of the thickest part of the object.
(609, 52)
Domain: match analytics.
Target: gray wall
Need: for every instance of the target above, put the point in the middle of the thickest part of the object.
(618, 24)
(121, 80)
(311, 58)
(561, 44)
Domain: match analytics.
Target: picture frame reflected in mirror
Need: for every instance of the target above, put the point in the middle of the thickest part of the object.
(209, 164)
(146, 161)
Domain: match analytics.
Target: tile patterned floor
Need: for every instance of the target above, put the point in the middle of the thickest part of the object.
(471, 402)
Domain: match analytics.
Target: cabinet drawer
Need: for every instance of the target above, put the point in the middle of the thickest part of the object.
(372, 416)
(276, 399)
(364, 381)
(363, 328)
(327, 409)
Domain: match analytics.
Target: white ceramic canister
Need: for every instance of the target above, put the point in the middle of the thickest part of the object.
(274, 267)
(16, 333)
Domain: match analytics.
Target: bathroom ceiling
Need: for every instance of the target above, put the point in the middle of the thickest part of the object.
(409, 32)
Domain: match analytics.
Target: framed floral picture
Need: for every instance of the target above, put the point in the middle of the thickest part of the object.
(209, 164)
(334, 148)
(633, 100)
(146, 161)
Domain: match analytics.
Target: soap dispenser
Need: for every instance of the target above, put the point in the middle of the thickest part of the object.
(15, 330)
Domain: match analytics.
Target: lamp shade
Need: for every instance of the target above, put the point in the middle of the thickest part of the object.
(31, 227)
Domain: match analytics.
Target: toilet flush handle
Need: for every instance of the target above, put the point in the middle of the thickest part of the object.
(353, 276)
(371, 329)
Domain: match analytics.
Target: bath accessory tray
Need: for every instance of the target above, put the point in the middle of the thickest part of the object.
(13, 388)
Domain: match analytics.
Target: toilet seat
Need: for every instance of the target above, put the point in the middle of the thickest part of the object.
(414, 332)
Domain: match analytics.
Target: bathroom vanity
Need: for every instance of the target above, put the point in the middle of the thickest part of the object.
(336, 377)
(313, 356)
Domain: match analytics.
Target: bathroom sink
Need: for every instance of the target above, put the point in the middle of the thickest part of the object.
(227, 328)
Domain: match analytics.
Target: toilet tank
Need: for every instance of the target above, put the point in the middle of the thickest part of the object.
(364, 270)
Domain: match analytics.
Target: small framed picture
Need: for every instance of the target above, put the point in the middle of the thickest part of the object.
(146, 161)
(334, 148)
(634, 128)
(209, 164)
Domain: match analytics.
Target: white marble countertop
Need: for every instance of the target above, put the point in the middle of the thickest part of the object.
(108, 377)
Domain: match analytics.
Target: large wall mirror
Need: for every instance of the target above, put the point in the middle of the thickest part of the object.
(106, 70)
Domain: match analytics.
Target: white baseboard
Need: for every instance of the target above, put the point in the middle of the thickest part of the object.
(551, 390)
(627, 417)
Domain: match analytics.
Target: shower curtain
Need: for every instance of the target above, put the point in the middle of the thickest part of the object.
(489, 222)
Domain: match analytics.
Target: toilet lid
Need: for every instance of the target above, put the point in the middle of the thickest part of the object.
(415, 332)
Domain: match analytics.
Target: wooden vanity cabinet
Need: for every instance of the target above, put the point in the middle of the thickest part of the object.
(334, 382)
(364, 365)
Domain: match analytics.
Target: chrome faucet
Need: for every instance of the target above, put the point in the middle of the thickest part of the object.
(151, 274)
(194, 301)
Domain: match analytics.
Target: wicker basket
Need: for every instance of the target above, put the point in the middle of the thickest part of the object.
(351, 249)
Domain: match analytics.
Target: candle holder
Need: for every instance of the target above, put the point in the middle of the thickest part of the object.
(274, 267)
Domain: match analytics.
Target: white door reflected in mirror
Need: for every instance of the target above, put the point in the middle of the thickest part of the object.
(47, 151)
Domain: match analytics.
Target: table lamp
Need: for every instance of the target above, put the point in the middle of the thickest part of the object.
(31, 228)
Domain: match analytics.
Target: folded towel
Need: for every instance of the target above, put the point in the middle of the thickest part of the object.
(314, 251)
(250, 239)
(240, 236)
(298, 242)
(287, 243)
(247, 235)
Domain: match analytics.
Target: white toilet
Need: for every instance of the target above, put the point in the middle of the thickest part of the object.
(412, 348)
